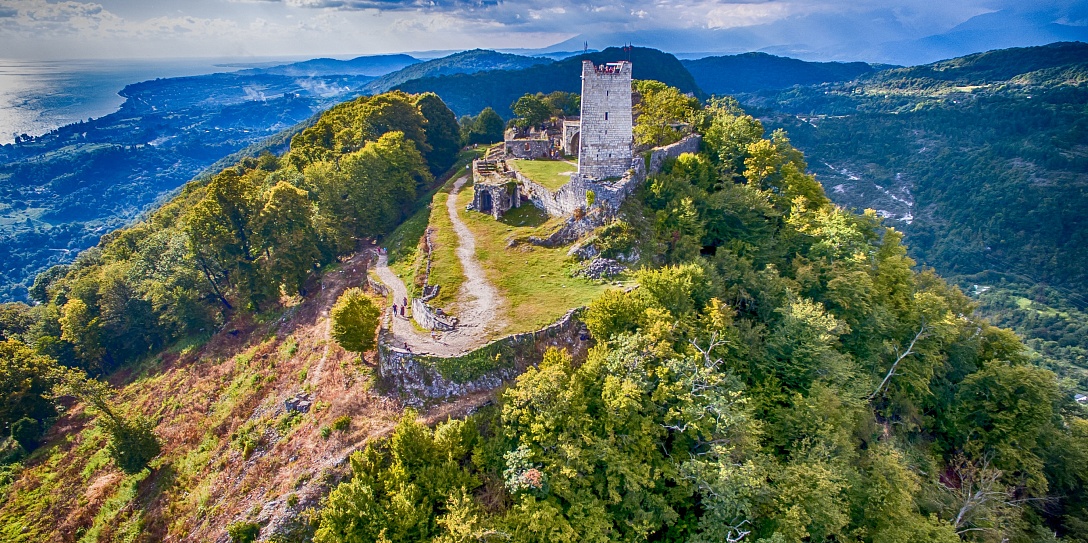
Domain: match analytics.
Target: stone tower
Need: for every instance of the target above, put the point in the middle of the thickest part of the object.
(606, 142)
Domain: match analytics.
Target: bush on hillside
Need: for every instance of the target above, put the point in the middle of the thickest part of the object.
(355, 321)
(26, 431)
(243, 532)
(132, 442)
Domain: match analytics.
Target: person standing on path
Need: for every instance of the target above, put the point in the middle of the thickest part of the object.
(394, 310)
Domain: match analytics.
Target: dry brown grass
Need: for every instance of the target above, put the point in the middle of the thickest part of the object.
(208, 401)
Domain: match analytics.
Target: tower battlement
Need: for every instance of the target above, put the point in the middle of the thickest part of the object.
(606, 143)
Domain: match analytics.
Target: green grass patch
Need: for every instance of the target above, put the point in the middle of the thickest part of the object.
(118, 509)
(551, 174)
(403, 242)
(535, 281)
(403, 245)
(446, 270)
(465, 368)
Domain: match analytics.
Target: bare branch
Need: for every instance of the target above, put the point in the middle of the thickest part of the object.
(910, 350)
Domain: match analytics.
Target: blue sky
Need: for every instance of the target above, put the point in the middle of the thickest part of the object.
(873, 30)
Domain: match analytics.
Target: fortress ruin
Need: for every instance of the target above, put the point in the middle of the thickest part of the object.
(604, 139)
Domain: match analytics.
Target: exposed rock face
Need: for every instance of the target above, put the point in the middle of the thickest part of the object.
(299, 402)
(577, 226)
(602, 268)
(418, 378)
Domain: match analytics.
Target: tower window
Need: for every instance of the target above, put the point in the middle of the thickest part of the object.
(606, 115)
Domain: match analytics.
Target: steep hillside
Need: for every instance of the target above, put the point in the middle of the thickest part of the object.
(468, 94)
(750, 72)
(465, 62)
(981, 160)
(781, 374)
(208, 316)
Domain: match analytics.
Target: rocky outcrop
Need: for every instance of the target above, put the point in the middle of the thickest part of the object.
(577, 226)
(599, 268)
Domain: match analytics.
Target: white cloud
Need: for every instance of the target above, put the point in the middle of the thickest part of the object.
(76, 28)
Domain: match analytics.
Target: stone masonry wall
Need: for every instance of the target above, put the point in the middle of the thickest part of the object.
(573, 195)
(606, 139)
(425, 316)
(418, 378)
(530, 148)
(658, 155)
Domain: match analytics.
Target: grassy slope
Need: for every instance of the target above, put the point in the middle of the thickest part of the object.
(535, 281)
(406, 257)
(552, 174)
(228, 446)
(230, 452)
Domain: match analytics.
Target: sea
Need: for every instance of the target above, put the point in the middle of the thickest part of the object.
(38, 96)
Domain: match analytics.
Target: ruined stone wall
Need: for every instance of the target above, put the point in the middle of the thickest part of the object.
(530, 148)
(428, 318)
(606, 139)
(377, 287)
(573, 195)
(658, 155)
(418, 378)
(561, 202)
(494, 188)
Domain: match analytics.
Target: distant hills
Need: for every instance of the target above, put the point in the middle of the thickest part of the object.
(982, 157)
(881, 34)
(755, 71)
(465, 62)
(468, 94)
(372, 65)
(981, 161)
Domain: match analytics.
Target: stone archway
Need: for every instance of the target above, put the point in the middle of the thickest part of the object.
(571, 130)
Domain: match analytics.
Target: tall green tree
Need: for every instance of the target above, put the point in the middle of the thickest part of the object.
(133, 443)
(530, 110)
(291, 242)
(485, 128)
(443, 133)
(660, 112)
(26, 378)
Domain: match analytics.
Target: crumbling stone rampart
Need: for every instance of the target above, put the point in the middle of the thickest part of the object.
(418, 377)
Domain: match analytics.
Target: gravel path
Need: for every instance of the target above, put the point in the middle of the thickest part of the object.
(478, 298)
